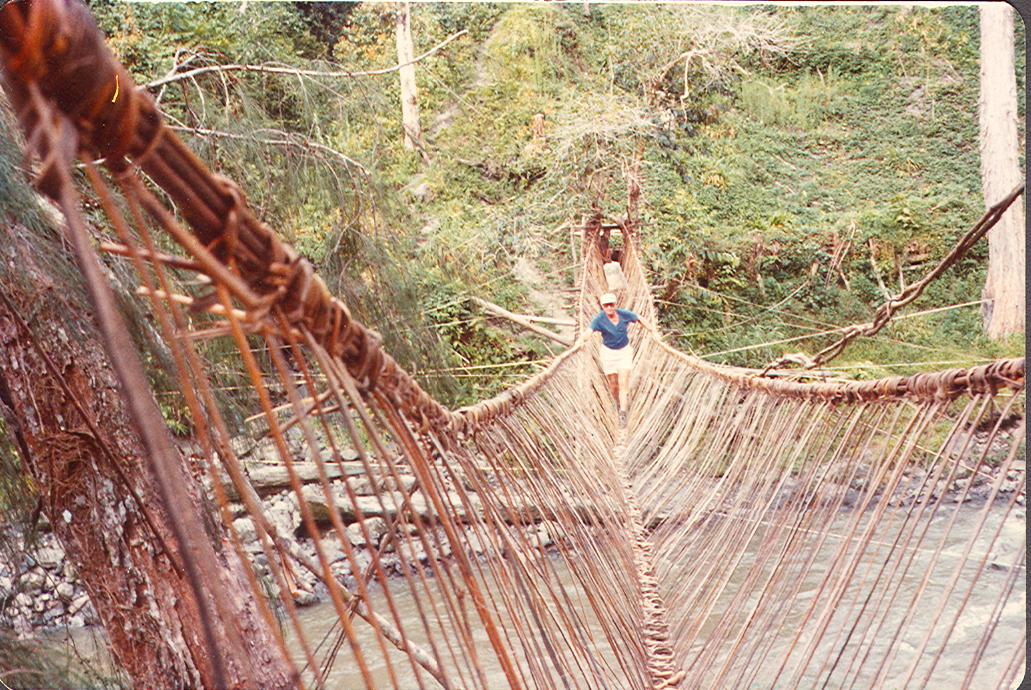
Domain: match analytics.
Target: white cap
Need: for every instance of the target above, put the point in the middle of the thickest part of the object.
(607, 298)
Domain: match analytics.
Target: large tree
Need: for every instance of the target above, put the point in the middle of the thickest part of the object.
(62, 403)
(65, 410)
(1000, 171)
(406, 72)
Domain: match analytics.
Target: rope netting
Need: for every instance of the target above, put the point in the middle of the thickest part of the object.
(741, 531)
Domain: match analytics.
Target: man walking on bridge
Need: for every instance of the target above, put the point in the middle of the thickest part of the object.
(617, 356)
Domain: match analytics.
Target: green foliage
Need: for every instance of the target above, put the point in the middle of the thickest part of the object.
(798, 162)
(803, 106)
(40, 664)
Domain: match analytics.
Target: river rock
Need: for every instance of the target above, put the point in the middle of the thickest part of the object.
(267, 478)
(546, 534)
(65, 591)
(282, 515)
(303, 597)
(422, 506)
(340, 569)
(403, 483)
(21, 625)
(242, 445)
(50, 557)
(413, 552)
(78, 604)
(52, 614)
(362, 486)
(355, 536)
(362, 559)
(369, 505)
(33, 579)
(23, 600)
(476, 546)
(331, 548)
(376, 527)
(245, 529)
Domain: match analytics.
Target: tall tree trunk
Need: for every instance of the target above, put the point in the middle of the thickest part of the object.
(1003, 310)
(409, 93)
(62, 403)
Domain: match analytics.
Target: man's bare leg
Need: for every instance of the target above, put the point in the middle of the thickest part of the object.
(613, 380)
(623, 385)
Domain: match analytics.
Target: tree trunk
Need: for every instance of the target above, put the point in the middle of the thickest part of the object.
(61, 402)
(409, 94)
(1003, 310)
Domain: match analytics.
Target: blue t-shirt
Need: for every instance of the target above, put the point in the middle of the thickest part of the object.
(613, 335)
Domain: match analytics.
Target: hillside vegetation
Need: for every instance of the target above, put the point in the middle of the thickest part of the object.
(799, 164)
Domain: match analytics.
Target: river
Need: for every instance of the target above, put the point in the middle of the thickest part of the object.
(318, 619)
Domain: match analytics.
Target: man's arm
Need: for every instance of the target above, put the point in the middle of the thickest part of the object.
(649, 327)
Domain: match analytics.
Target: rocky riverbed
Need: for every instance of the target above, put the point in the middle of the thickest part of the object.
(39, 589)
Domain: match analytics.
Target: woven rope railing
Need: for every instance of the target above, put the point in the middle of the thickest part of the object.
(741, 532)
(885, 312)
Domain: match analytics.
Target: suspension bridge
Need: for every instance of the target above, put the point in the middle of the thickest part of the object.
(741, 531)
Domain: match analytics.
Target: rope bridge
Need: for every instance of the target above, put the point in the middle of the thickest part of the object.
(740, 532)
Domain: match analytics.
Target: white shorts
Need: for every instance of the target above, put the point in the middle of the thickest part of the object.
(615, 361)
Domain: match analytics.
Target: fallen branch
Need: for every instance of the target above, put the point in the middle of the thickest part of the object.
(522, 321)
(548, 319)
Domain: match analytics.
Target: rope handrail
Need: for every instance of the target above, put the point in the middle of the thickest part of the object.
(885, 312)
(938, 385)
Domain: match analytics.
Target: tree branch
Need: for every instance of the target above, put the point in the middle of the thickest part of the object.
(274, 69)
(288, 140)
(522, 321)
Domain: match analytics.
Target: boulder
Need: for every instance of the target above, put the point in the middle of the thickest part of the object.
(33, 579)
(65, 591)
(413, 552)
(271, 478)
(376, 528)
(281, 517)
(369, 505)
(331, 548)
(78, 604)
(424, 507)
(355, 536)
(546, 534)
(241, 445)
(51, 557)
(403, 483)
(245, 529)
(52, 614)
(362, 486)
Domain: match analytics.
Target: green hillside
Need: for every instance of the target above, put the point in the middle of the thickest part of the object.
(799, 163)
